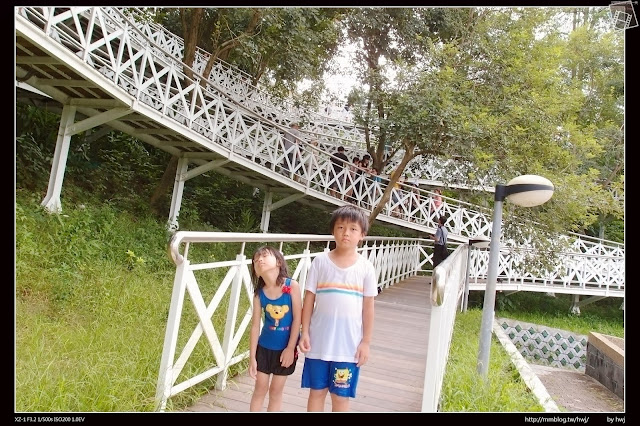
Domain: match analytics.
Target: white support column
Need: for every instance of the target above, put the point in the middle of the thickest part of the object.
(266, 211)
(575, 306)
(165, 375)
(51, 201)
(178, 189)
(230, 323)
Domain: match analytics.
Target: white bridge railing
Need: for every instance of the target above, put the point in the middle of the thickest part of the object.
(333, 132)
(590, 274)
(217, 121)
(221, 294)
(210, 311)
(447, 291)
(209, 116)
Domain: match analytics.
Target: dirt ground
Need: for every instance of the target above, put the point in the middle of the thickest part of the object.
(574, 391)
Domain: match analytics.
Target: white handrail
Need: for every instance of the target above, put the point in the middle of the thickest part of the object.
(394, 259)
(447, 286)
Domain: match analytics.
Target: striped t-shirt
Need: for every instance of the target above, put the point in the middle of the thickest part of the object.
(336, 322)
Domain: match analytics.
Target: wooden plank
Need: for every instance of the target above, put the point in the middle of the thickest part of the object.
(391, 381)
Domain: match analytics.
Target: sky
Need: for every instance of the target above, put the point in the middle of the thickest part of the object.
(340, 84)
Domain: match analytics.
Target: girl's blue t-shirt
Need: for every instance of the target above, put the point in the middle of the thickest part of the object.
(277, 316)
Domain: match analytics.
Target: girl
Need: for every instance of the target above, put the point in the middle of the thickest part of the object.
(273, 352)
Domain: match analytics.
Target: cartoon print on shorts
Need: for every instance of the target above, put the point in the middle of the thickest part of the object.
(342, 375)
(277, 312)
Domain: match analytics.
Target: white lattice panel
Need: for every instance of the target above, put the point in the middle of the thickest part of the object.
(548, 346)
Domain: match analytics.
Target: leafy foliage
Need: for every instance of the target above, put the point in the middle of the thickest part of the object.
(508, 92)
(278, 47)
(93, 284)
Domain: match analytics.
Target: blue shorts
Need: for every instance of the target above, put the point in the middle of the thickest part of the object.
(340, 377)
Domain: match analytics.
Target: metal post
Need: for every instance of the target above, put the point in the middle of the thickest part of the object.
(465, 298)
(266, 211)
(490, 290)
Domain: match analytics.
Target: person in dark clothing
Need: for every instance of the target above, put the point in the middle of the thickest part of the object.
(339, 160)
(440, 239)
(362, 174)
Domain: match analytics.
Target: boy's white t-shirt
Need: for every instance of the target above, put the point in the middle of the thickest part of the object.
(336, 322)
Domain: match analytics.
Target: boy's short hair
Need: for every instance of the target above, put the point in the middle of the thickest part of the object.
(350, 214)
(340, 148)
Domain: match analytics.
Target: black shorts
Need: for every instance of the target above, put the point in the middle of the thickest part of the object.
(269, 362)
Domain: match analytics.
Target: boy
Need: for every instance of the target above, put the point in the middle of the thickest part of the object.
(337, 315)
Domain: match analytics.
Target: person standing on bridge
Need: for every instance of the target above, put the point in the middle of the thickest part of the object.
(292, 149)
(337, 314)
(338, 162)
(273, 351)
(440, 242)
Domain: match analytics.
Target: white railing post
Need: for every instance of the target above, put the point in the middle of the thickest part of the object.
(306, 263)
(230, 324)
(165, 377)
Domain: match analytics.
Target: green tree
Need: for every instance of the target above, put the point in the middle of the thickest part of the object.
(400, 40)
(593, 62)
(278, 47)
(496, 92)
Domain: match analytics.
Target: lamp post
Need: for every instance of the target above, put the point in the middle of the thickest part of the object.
(526, 191)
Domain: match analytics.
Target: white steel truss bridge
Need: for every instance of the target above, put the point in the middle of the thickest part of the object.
(110, 71)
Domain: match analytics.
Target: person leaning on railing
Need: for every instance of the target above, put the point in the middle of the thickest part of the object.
(440, 239)
(339, 160)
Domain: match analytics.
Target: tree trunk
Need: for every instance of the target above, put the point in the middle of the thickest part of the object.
(395, 176)
(167, 178)
(191, 19)
(223, 50)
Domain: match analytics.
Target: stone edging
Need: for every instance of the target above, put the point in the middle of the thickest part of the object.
(527, 374)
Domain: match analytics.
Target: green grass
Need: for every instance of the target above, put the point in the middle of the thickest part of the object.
(603, 316)
(93, 289)
(464, 390)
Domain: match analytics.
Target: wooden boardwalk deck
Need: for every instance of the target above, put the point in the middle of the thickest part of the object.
(391, 381)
